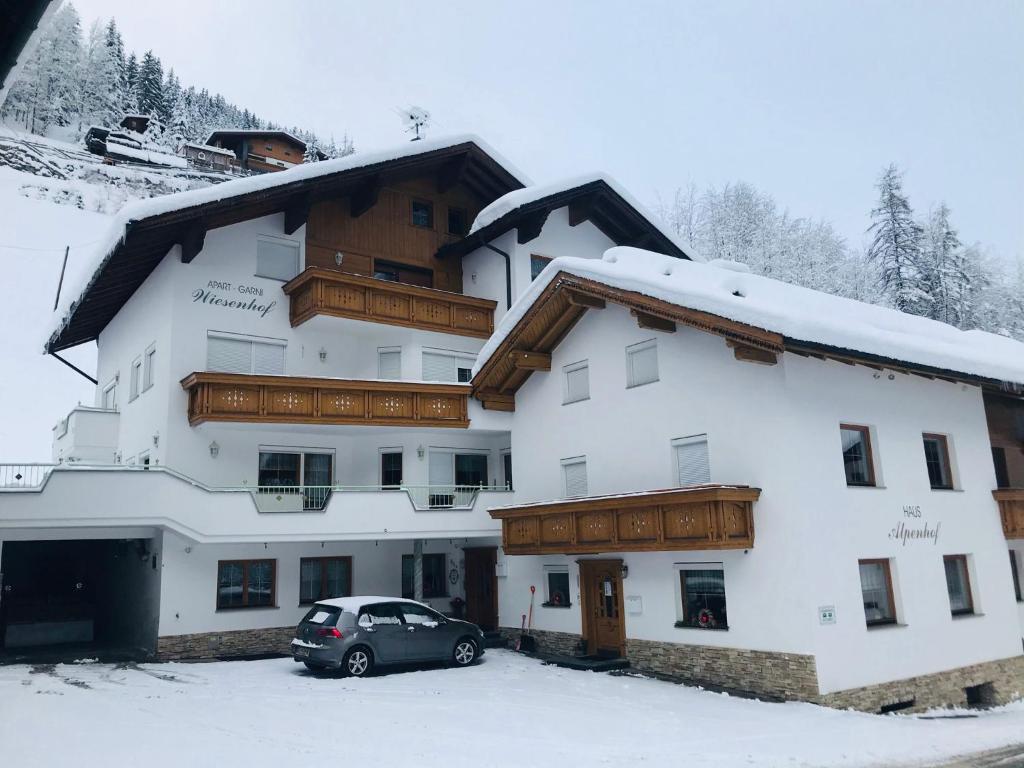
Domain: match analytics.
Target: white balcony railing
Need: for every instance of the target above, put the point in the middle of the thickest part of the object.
(23, 477)
(311, 498)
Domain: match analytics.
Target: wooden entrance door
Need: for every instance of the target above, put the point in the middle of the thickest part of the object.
(604, 629)
(482, 587)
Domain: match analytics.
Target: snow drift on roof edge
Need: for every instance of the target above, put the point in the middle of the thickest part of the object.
(155, 206)
(793, 311)
(510, 201)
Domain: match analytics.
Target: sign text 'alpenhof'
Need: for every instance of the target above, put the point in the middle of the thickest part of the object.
(250, 297)
(913, 528)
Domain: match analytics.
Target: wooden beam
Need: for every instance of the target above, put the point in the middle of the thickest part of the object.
(653, 322)
(748, 354)
(496, 401)
(365, 197)
(451, 172)
(529, 360)
(582, 209)
(296, 214)
(191, 241)
(584, 300)
(531, 225)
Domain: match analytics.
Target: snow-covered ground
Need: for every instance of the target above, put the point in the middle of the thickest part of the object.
(507, 711)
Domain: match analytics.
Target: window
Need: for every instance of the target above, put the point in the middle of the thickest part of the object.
(642, 363)
(240, 354)
(1015, 575)
(506, 461)
(574, 476)
(857, 459)
(386, 272)
(435, 581)
(389, 362)
(876, 591)
(313, 472)
(422, 214)
(109, 399)
(693, 466)
(471, 469)
(323, 578)
(441, 365)
(556, 581)
(702, 597)
(577, 382)
(135, 380)
(277, 259)
(402, 273)
(148, 361)
(936, 457)
(144, 459)
(958, 584)
(457, 221)
(537, 264)
(1002, 468)
(245, 583)
(390, 469)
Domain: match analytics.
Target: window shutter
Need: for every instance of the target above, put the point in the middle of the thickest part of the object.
(577, 382)
(441, 469)
(268, 359)
(228, 355)
(389, 364)
(438, 367)
(692, 462)
(642, 362)
(277, 260)
(575, 478)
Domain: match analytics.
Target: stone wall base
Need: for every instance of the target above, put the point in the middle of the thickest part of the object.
(215, 645)
(556, 643)
(994, 682)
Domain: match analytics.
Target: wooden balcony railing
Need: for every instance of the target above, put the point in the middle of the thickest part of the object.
(694, 518)
(1011, 511)
(296, 400)
(320, 291)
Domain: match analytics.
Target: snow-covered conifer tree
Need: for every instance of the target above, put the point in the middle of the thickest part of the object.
(895, 249)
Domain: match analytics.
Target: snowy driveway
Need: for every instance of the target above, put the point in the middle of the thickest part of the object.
(507, 711)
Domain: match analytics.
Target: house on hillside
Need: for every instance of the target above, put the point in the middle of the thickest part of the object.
(259, 151)
(414, 373)
(208, 158)
(130, 144)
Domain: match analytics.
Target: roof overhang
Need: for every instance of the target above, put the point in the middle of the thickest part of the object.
(20, 21)
(595, 201)
(147, 240)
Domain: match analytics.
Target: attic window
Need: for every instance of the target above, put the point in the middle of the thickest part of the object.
(457, 221)
(422, 214)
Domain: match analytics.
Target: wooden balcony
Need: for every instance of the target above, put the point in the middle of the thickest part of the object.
(319, 291)
(694, 518)
(1011, 511)
(295, 400)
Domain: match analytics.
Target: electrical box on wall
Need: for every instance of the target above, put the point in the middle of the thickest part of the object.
(826, 614)
(500, 569)
(634, 605)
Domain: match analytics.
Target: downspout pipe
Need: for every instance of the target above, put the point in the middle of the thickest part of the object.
(508, 273)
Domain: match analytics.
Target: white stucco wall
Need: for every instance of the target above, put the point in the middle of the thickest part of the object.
(777, 427)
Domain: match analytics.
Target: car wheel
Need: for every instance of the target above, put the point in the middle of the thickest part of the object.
(358, 662)
(465, 652)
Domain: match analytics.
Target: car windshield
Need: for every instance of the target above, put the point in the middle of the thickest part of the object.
(323, 614)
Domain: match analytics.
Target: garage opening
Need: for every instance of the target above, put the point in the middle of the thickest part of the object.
(87, 595)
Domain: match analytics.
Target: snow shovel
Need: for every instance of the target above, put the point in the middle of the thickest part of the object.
(527, 643)
(522, 633)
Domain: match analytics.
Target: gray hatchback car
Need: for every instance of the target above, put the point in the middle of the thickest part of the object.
(355, 634)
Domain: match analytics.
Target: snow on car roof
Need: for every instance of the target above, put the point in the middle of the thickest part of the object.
(511, 201)
(355, 604)
(797, 313)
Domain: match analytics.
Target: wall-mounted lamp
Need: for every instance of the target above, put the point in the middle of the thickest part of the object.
(420, 451)
(214, 449)
(323, 355)
(625, 570)
(156, 439)
(338, 258)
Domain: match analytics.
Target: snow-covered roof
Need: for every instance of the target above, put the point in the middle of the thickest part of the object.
(193, 200)
(516, 199)
(254, 132)
(208, 148)
(798, 314)
(356, 603)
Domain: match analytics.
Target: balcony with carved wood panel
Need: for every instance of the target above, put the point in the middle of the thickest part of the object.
(1011, 511)
(691, 518)
(234, 397)
(319, 291)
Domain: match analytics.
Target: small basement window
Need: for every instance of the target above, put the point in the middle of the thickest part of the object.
(896, 706)
(556, 585)
(981, 695)
(422, 214)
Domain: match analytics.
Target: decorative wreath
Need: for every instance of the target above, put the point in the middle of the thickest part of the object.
(706, 618)
(453, 575)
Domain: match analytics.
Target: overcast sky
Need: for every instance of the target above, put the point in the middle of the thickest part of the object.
(805, 100)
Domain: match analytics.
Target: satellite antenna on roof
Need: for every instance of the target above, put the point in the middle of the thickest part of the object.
(416, 120)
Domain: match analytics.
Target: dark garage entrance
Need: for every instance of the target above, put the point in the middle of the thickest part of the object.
(100, 596)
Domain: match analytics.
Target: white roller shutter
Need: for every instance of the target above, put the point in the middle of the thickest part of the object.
(693, 465)
(575, 474)
(441, 469)
(276, 259)
(268, 359)
(642, 363)
(439, 367)
(577, 382)
(228, 355)
(389, 363)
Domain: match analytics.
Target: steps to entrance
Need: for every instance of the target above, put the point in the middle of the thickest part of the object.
(591, 663)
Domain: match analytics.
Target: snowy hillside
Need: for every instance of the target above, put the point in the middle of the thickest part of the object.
(54, 195)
